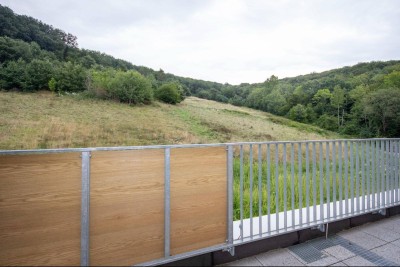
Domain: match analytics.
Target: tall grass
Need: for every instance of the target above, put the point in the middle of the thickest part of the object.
(259, 179)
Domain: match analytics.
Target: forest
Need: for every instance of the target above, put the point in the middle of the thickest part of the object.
(361, 100)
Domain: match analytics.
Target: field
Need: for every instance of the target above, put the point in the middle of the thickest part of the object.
(45, 120)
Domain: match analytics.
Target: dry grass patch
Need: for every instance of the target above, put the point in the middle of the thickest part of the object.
(44, 120)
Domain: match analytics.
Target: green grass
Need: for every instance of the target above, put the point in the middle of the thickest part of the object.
(46, 120)
(277, 177)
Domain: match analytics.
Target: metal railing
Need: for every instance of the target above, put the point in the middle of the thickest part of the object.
(280, 187)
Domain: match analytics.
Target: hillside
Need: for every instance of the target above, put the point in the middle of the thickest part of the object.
(361, 100)
(45, 120)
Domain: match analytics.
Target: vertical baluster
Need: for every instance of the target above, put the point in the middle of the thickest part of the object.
(284, 186)
(346, 174)
(259, 190)
(383, 176)
(321, 182)
(357, 178)
(362, 176)
(373, 174)
(292, 184)
(334, 177)
(300, 185)
(277, 185)
(241, 192)
(340, 155)
(328, 183)
(314, 183)
(307, 184)
(368, 176)
(269, 186)
(352, 177)
(251, 189)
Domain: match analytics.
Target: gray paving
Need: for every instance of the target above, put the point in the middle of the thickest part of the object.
(373, 244)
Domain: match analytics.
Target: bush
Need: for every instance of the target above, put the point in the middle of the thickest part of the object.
(327, 122)
(298, 113)
(37, 75)
(129, 87)
(169, 93)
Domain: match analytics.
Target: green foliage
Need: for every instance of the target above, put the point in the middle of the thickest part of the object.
(12, 75)
(298, 113)
(382, 110)
(35, 55)
(70, 77)
(52, 84)
(37, 75)
(392, 79)
(169, 93)
(124, 86)
(327, 122)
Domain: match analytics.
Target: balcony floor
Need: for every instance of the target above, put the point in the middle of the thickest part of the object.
(372, 244)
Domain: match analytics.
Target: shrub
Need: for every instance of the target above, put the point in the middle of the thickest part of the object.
(169, 93)
(70, 78)
(129, 87)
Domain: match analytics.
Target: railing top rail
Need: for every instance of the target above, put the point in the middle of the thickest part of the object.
(121, 148)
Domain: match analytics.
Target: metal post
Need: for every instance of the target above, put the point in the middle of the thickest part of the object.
(340, 155)
(167, 203)
(284, 187)
(362, 176)
(346, 176)
(269, 186)
(85, 208)
(352, 177)
(307, 184)
(321, 183)
(357, 178)
(251, 190)
(277, 186)
(334, 178)
(368, 176)
(241, 192)
(300, 166)
(259, 190)
(328, 183)
(230, 199)
(314, 183)
(373, 174)
(292, 181)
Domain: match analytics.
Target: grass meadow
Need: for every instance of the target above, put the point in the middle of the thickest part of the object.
(362, 161)
(46, 120)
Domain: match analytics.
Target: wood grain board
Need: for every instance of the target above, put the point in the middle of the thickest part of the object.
(198, 198)
(126, 207)
(40, 205)
(40, 198)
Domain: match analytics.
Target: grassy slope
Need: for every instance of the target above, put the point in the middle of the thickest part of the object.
(44, 120)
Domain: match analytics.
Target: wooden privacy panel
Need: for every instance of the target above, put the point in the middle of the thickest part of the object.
(126, 207)
(198, 198)
(40, 204)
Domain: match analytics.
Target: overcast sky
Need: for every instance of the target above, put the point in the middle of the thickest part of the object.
(230, 41)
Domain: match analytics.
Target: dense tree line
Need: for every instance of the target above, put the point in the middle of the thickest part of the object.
(362, 100)
(36, 56)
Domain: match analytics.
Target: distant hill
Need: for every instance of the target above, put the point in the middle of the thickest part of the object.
(45, 120)
(361, 100)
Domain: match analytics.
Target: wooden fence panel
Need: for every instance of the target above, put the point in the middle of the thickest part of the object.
(40, 198)
(198, 198)
(126, 207)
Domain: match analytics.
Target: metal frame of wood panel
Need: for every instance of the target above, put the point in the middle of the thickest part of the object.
(85, 191)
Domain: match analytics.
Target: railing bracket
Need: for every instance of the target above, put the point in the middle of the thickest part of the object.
(231, 250)
(320, 227)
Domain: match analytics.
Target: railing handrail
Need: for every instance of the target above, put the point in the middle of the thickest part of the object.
(119, 148)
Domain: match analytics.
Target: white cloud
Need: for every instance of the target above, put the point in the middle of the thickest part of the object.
(233, 40)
